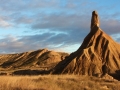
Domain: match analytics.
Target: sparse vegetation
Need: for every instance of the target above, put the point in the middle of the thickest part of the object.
(57, 82)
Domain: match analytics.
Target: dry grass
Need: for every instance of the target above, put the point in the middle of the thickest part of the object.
(56, 82)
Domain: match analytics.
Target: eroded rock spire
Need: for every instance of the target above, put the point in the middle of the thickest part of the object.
(98, 55)
(94, 19)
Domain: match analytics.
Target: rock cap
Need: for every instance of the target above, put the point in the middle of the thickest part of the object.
(94, 19)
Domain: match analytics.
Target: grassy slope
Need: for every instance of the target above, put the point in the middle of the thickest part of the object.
(57, 82)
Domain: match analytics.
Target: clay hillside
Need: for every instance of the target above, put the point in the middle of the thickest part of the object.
(35, 60)
(99, 54)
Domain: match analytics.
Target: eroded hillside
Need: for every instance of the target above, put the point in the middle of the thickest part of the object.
(99, 54)
(36, 60)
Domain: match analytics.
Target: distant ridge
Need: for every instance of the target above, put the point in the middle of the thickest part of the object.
(99, 54)
(42, 59)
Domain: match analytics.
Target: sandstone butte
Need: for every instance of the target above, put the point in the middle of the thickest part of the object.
(98, 55)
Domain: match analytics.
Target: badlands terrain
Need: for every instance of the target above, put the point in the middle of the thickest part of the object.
(30, 63)
(94, 66)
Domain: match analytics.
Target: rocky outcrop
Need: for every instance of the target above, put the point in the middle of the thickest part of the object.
(99, 54)
(94, 20)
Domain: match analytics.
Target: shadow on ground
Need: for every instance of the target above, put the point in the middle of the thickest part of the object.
(30, 72)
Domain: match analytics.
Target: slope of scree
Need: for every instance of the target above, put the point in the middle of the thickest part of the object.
(99, 54)
(35, 59)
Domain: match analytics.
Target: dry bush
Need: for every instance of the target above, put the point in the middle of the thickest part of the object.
(56, 82)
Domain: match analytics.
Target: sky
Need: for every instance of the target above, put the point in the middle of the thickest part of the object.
(59, 25)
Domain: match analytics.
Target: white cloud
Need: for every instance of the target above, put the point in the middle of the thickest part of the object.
(4, 23)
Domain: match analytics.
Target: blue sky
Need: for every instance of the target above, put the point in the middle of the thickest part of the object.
(59, 25)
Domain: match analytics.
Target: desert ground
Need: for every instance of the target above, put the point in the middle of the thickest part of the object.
(57, 82)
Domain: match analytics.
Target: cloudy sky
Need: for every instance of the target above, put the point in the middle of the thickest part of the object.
(59, 25)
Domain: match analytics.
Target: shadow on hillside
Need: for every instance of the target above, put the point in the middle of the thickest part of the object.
(116, 75)
(30, 72)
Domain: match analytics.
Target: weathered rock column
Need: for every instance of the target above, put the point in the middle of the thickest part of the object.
(94, 19)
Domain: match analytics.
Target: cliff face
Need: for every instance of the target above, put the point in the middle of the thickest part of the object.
(98, 54)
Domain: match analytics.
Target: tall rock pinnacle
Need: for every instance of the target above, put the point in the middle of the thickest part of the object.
(98, 54)
(94, 20)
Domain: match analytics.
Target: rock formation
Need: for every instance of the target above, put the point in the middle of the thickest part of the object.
(94, 20)
(99, 54)
(28, 60)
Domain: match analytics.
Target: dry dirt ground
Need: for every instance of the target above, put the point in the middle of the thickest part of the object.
(57, 82)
